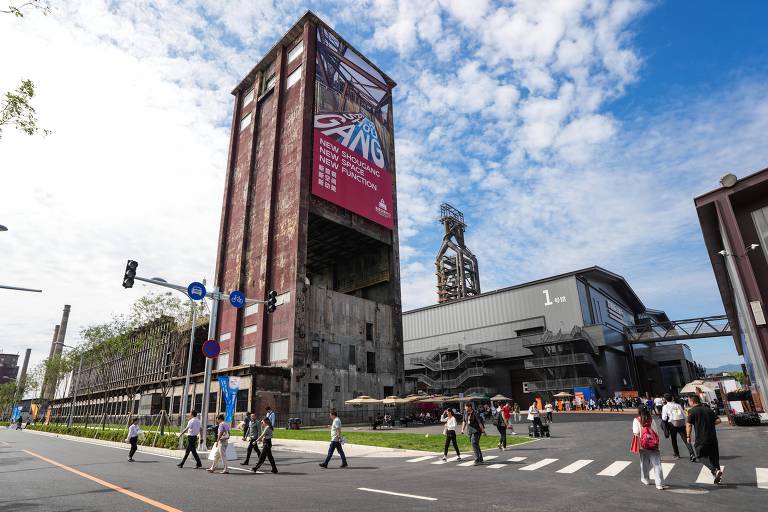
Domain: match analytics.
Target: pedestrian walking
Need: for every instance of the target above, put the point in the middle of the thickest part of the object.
(253, 434)
(506, 410)
(474, 428)
(266, 448)
(645, 442)
(450, 433)
(133, 438)
(535, 417)
(702, 421)
(271, 416)
(222, 441)
(548, 408)
(673, 416)
(516, 410)
(246, 424)
(336, 441)
(192, 431)
(501, 426)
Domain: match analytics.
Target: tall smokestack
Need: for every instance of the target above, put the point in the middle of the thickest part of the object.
(22, 380)
(45, 388)
(62, 331)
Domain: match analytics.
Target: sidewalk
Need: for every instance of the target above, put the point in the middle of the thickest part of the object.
(288, 445)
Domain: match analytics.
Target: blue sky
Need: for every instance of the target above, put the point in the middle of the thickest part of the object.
(571, 133)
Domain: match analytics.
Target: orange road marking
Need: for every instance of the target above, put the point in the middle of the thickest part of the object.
(106, 484)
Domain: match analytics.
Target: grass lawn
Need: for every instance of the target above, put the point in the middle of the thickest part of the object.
(408, 441)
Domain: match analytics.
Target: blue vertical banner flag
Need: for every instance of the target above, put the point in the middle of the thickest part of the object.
(229, 387)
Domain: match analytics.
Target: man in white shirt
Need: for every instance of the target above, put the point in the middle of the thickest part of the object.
(270, 415)
(335, 441)
(673, 414)
(658, 403)
(133, 438)
(192, 431)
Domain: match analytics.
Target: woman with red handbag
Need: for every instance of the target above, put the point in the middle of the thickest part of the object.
(645, 442)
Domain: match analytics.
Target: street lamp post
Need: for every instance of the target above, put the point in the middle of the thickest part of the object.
(74, 391)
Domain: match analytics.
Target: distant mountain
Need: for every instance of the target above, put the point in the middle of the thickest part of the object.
(724, 368)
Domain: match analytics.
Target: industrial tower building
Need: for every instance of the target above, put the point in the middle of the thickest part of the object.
(310, 211)
(457, 274)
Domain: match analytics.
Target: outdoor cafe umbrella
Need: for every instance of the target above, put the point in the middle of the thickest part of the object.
(563, 394)
(363, 400)
(499, 398)
(394, 400)
(434, 399)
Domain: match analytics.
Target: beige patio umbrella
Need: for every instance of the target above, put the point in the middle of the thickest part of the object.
(363, 400)
(499, 398)
(563, 394)
(413, 398)
(394, 400)
(434, 399)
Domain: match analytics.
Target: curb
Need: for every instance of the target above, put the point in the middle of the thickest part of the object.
(113, 444)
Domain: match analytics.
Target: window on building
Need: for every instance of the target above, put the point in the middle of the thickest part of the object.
(370, 361)
(293, 78)
(212, 402)
(278, 351)
(248, 96)
(248, 355)
(222, 361)
(337, 389)
(334, 355)
(530, 331)
(315, 396)
(242, 401)
(245, 121)
(295, 51)
(369, 331)
(198, 402)
(270, 82)
(389, 390)
(352, 355)
(176, 405)
(315, 351)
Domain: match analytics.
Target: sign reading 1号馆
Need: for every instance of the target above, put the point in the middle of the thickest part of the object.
(352, 161)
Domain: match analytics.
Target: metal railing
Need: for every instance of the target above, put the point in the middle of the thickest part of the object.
(674, 330)
(550, 338)
(561, 384)
(434, 363)
(558, 360)
(455, 382)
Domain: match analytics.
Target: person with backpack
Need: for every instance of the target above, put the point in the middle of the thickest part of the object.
(673, 415)
(645, 442)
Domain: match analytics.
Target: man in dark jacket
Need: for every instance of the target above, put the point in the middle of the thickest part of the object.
(254, 431)
(474, 428)
(246, 424)
(702, 420)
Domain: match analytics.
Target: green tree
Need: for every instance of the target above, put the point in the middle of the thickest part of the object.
(739, 376)
(16, 109)
(18, 8)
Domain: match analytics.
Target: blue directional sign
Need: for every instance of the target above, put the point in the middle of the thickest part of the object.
(237, 298)
(196, 291)
(211, 349)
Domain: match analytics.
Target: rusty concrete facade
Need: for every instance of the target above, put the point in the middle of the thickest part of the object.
(337, 273)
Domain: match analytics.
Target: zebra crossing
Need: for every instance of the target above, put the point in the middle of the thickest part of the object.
(614, 469)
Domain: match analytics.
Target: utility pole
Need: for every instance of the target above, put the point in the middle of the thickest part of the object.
(209, 368)
(74, 393)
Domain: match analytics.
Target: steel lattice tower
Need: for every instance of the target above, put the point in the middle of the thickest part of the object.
(458, 275)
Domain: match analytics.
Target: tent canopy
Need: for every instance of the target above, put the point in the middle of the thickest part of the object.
(363, 400)
(499, 398)
(563, 394)
(690, 388)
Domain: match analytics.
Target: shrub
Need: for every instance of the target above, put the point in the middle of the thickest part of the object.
(170, 442)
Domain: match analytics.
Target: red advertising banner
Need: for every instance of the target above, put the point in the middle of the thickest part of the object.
(343, 177)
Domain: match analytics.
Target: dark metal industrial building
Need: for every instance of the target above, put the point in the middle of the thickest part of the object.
(734, 222)
(563, 333)
(9, 367)
(310, 211)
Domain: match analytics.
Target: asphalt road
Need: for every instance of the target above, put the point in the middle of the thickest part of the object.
(100, 478)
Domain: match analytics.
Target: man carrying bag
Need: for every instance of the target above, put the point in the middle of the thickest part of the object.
(474, 428)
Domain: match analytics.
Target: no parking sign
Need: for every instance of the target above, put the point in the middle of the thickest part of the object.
(211, 349)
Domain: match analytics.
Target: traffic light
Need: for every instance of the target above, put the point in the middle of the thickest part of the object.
(130, 273)
(271, 301)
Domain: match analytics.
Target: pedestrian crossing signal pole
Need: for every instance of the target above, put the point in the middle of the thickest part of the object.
(216, 296)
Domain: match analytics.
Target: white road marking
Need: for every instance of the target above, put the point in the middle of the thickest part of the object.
(615, 468)
(762, 478)
(497, 466)
(666, 469)
(705, 477)
(472, 462)
(421, 459)
(517, 459)
(414, 496)
(572, 468)
(537, 465)
(450, 459)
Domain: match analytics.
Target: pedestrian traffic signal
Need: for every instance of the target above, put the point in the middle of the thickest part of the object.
(130, 273)
(271, 301)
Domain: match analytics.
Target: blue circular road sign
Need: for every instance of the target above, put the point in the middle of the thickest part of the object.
(196, 291)
(211, 348)
(237, 298)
